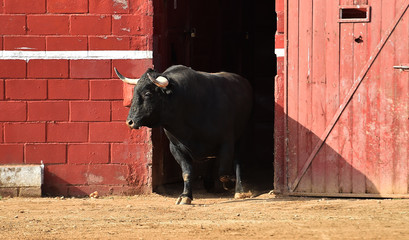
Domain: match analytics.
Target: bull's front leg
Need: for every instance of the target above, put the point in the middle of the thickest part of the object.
(239, 192)
(185, 162)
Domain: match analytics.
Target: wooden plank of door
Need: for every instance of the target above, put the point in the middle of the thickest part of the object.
(291, 78)
(304, 106)
(358, 104)
(350, 94)
(346, 80)
(372, 109)
(332, 95)
(318, 89)
(386, 116)
(401, 124)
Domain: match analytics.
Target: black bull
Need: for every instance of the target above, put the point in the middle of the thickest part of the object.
(203, 114)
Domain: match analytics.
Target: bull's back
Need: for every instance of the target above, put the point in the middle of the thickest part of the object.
(221, 102)
(208, 110)
(241, 100)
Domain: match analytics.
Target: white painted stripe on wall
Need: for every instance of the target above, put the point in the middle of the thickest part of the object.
(90, 55)
(280, 52)
(75, 55)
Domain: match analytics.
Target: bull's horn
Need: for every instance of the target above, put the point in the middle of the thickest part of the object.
(159, 81)
(125, 79)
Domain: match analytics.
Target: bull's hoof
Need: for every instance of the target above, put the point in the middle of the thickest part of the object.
(183, 201)
(228, 185)
(226, 178)
(243, 195)
(228, 182)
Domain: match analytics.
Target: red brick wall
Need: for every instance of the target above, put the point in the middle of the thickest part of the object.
(69, 111)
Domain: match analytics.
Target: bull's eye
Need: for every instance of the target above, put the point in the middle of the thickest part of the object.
(148, 94)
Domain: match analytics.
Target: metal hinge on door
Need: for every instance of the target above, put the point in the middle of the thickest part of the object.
(403, 67)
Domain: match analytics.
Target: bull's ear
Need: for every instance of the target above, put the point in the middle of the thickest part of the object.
(159, 81)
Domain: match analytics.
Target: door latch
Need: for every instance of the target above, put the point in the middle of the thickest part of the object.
(193, 32)
(190, 32)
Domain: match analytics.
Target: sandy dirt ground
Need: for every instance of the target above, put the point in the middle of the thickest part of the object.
(209, 217)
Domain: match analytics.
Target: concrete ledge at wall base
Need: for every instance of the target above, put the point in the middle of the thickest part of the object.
(21, 180)
(20, 192)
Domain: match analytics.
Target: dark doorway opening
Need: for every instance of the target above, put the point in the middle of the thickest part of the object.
(230, 35)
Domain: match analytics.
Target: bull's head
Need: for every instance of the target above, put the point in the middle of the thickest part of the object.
(147, 100)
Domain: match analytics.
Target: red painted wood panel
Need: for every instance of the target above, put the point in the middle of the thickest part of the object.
(332, 96)
(345, 124)
(304, 105)
(279, 101)
(346, 68)
(372, 106)
(401, 123)
(358, 104)
(385, 117)
(291, 91)
(318, 84)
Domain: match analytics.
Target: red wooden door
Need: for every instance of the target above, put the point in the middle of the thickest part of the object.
(347, 98)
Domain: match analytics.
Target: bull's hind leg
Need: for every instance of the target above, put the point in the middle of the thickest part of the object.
(227, 169)
(225, 160)
(186, 165)
(208, 180)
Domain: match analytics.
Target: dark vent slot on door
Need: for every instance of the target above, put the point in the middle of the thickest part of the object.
(359, 13)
